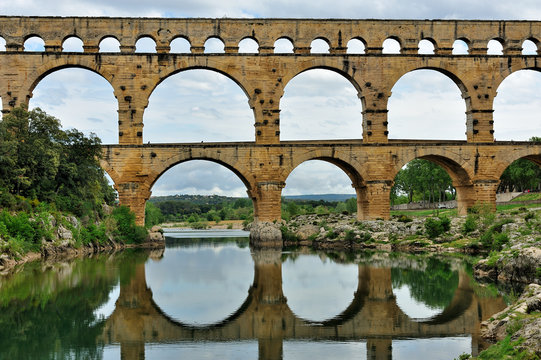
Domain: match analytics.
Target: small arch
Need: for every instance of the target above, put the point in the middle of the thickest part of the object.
(461, 47)
(530, 47)
(283, 46)
(214, 45)
(319, 46)
(2, 44)
(109, 44)
(427, 47)
(72, 44)
(495, 47)
(180, 45)
(145, 44)
(391, 45)
(356, 46)
(34, 43)
(248, 45)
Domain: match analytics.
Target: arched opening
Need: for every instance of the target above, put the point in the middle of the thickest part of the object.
(319, 187)
(202, 193)
(426, 104)
(283, 46)
(391, 46)
(214, 45)
(80, 99)
(34, 43)
(494, 47)
(248, 46)
(529, 47)
(180, 45)
(460, 47)
(517, 106)
(356, 46)
(198, 105)
(145, 44)
(320, 104)
(422, 184)
(319, 46)
(72, 44)
(109, 45)
(2, 44)
(432, 182)
(303, 277)
(523, 178)
(217, 275)
(425, 291)
(426, 47)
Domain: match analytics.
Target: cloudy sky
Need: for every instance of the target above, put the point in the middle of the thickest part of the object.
(424, 102)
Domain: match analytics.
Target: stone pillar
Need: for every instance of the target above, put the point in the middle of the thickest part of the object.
(267, 287)
(376, 282)
(374, 200)
(268, 201)
(479, 110)
(374, 101)
(465, 198)
(130, 119)
(270, 349)
(265, 102)
(132, 350)
(134, 195)
(485, 192)
(379, 349)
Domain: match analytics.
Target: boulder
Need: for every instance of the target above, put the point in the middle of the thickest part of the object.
(265, 234)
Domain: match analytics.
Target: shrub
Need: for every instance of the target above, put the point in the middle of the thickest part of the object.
(127, 231)
(405, 219)
(288, 235)
(436, 226)
(470, 224)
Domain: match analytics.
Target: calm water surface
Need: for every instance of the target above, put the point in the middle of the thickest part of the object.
(209, 296)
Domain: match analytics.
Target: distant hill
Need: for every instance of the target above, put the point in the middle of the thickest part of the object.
(324, 197)
(217, 199)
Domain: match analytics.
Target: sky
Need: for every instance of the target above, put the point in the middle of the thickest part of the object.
(317, 104)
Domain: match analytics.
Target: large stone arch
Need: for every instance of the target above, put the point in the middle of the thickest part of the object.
(460, 171)
(532, 154)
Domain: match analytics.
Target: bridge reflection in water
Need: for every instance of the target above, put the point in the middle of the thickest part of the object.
(265, 315)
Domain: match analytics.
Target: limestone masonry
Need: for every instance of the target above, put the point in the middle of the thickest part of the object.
(372, 162)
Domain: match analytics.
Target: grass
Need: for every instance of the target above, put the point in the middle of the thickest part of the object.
(510, 206)
(528, 197)
(424, 212)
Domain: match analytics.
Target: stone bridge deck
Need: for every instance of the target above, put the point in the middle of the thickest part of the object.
(475, 168)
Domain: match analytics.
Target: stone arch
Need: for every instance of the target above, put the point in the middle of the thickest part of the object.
(317, 46)
(71, 42)
(212, 45)
(31, 43)
(350, 103)
(106, 44)
(495, 46)
(427, 46)
(176, 42)
(356, 45)
(281, 42)
(448, 73)
(392, 45)
(508, 158)
(144, 43)
(251, 44)
(461, 46)
(530, 46)
(461, 173)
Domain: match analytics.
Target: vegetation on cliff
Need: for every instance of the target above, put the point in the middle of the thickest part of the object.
(52, 188)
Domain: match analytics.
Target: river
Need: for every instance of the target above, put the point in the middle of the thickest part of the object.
(209, 296)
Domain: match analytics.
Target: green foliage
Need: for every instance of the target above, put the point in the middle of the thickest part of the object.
(505, 349)
(470, 224)
(288, 235)
(405, 219)
(436, 226)
(422, 180)
(126, 230)
(153, 215)
(40, 161)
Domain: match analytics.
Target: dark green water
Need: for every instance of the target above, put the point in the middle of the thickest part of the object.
(209, 298)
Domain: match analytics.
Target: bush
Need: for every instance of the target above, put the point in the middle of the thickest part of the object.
(405, 219)
(470, 224)
(127, 231)
(288, 235)
(436, 226)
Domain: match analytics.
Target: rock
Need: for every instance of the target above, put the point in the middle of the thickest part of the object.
(156, 228)
(156, 236)
(305, 231)
(522, 267)
(64, 234)
(265, 234)
(73, 221)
